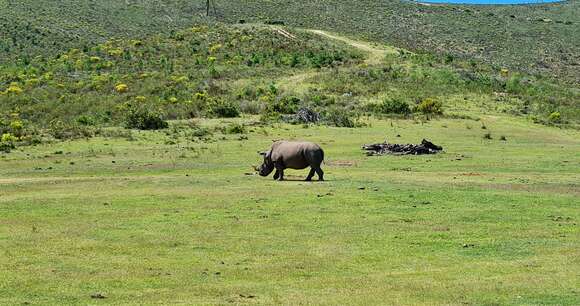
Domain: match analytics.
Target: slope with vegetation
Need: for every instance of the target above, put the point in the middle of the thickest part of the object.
(176, 76)
(538, 39)
(214, 70)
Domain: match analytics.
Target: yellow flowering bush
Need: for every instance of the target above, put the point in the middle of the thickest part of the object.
(79, 64)
(14, 89)
(121, 88)
(179, 79)
(430, 106)
(116, 52)
(32, 82)
(48, 76)
(8, 138)
(199, 29)
(215, 48)
(555, 117)
(7, 143)
(200, 96)
(16, 125)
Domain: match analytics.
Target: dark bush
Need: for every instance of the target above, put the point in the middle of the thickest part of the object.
(223, 109)
(339, 118)
(144, 119)
(6, 147)
(393, 106)
(86, 120)
(64, 130)
(236, 128)
(7, 142)
(430, 106)
(285, 105)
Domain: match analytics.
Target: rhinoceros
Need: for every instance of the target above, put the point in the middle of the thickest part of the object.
(292, 155)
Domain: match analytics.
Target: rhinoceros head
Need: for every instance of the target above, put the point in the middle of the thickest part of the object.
(267, 166)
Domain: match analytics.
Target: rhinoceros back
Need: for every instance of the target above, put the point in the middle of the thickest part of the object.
(297, 155)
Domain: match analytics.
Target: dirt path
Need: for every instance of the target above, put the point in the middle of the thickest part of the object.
(376, 54)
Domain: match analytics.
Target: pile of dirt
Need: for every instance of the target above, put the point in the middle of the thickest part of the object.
(426, 147)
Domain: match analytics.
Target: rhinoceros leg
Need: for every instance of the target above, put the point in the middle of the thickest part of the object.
(279, 171)
(320, 174)
(311, 174)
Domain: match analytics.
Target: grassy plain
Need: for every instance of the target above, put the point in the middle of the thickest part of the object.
(164, 219)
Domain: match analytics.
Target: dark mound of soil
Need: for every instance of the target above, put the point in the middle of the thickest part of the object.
(426, 147)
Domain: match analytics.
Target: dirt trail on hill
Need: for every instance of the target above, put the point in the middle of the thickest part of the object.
(376, 54)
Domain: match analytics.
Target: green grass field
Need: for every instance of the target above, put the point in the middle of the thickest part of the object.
(163, 219)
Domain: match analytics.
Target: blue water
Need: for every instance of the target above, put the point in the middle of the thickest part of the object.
(494, 2)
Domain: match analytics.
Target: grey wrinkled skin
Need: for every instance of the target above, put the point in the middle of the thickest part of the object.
(292, 155)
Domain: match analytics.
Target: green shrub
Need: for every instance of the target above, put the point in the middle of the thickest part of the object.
(555, 117)
(339, 118)
(514, 84)
(393, 106)
(251, 107)
(223, 109)
(430, 106)
(285, 105)
(270, 117)
(201, 132)
(236, 128)
(85, 120)
(144, 119)
(7, 142)
(62, 130)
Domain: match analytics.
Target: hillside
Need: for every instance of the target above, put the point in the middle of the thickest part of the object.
(537, 39)
(218, 70)
(184, 74)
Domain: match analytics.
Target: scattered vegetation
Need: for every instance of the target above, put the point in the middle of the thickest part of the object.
(181, 74)
(485, 33)
(225, 71)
